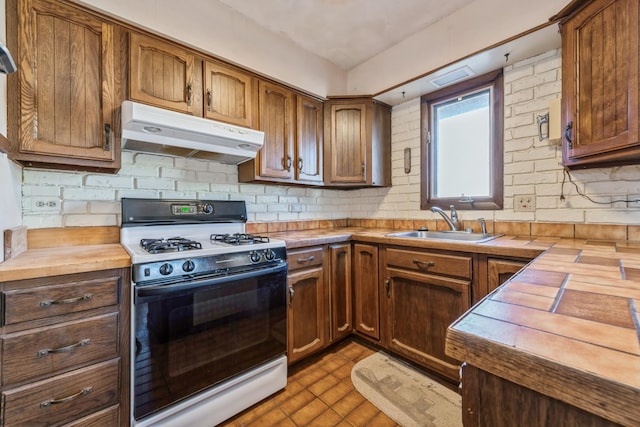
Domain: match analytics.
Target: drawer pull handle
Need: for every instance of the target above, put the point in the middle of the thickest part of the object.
(427, 264)
(305, 260)
(82, 392)
(86, 297)
(64, 349)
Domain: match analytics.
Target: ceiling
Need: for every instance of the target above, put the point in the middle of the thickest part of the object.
(345, 32)
(350, 32)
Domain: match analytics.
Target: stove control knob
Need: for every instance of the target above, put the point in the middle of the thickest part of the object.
(269, 255)
(255, 256)
(188, 266)
(166, 269)
(207, 209)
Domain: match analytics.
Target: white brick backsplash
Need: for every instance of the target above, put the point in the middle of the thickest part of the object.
(111, 181)
(93, 220)
(183, 174)
(46, 177)
(105, 207)
(153, 160)
(78, 193)
(192, 186)
(41, 221)
(155, 183)
(530, 167)
(75, 207)
(139, 170)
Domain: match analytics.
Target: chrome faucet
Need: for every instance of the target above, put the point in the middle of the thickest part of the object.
(453, 222)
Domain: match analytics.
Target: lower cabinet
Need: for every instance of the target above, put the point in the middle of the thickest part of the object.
(366, 291)
(65, 350)
(425, 292)
(491, 401)
(501, 270)
(307, 315)
(340, 291)
(320, 298)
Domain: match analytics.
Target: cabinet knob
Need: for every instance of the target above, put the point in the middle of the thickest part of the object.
(209, 100)
(300, 164)
(387, 284)
(291, 293)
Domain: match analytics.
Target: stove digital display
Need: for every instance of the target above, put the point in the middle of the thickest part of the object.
(184, 209)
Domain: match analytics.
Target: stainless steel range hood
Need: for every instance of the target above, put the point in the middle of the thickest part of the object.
(160, 131)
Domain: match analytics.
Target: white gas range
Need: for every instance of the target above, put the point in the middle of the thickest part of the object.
(209, 311)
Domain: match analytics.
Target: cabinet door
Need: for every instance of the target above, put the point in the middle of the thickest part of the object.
(309, 140)
(348, 141)
(366, 290)
(500, 270)
(306, 317)
(276, 121)
(420, 309)
(600, 82)
(67, 85)
(228, 94)
(340, 296)
(161, 74)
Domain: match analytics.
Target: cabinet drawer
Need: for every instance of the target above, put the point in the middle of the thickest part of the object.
(62, 398)
(106, 418)
(305, 258)
(42, 351)
(21, 305)
(429, 262)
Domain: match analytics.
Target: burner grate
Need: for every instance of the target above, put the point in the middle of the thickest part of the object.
(239, 238)
(174, 244)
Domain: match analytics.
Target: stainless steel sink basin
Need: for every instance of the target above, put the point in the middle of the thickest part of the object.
(462, 236)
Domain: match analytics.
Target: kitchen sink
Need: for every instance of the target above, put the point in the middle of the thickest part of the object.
(463, 236)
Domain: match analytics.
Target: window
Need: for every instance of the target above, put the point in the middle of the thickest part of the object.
(462, 154)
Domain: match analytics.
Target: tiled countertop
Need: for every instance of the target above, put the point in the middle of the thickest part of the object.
(567, 326)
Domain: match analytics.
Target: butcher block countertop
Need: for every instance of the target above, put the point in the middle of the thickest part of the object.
(566, 326)
(53, 252)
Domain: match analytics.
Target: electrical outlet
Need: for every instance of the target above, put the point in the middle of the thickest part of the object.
(633, 200)
(524, 203)
(45, 204)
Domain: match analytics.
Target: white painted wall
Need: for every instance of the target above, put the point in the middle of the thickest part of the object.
(464, 32)
(10, 173)
(231, 36)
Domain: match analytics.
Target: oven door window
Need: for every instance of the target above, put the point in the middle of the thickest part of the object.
(190, 339)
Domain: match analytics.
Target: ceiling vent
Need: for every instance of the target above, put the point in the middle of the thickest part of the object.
(452, 76)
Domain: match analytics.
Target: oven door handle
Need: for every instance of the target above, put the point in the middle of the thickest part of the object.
(152, 290)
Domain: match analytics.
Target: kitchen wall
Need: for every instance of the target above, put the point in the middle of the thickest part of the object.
(10, 173)
(531, 167)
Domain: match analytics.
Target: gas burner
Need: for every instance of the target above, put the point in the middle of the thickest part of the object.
(174, 244)
(239, 238)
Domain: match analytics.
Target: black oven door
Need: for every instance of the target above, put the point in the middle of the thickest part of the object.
(194, 335)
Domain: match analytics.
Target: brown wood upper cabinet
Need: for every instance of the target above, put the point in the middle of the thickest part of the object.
(600, 88)
(358, 143)
(170, 76)
(293, 128)
(161, 73)
(228, 94)
(65, 94)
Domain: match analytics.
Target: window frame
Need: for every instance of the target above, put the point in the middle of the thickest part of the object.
(495, 201)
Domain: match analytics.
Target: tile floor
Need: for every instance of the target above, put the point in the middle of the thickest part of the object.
(319, 392)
